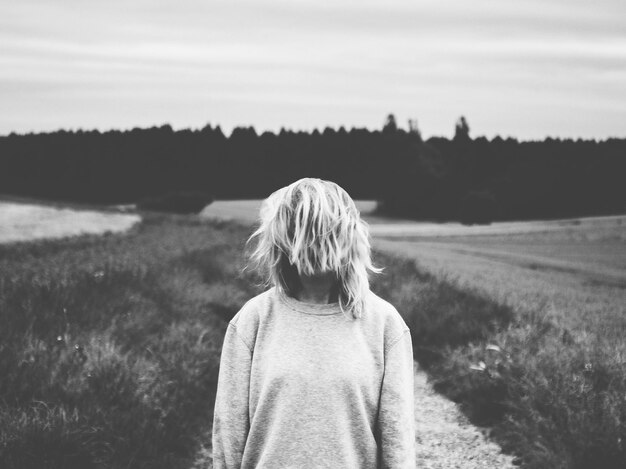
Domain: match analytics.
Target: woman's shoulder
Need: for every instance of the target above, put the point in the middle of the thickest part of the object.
(386, 317)
(246, 321)
(381, 307)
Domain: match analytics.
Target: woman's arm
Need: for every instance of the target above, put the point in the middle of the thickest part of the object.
(396, 417)
(231, 418)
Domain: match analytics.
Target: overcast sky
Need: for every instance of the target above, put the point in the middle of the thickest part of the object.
(524, 68)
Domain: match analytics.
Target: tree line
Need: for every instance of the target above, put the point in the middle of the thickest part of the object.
(463, 178)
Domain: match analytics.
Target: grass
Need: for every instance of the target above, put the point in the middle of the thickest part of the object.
(109, 351)
(554, 396)
(109, 346)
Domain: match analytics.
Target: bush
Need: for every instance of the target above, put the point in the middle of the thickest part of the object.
(176, 202)
(478, 208)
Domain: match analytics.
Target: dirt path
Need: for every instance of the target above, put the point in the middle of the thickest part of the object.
(445, 439)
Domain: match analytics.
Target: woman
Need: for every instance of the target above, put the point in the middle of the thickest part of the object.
(317, 371)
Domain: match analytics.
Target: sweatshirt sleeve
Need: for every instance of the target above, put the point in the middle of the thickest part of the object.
(396, 418)
(231, 417)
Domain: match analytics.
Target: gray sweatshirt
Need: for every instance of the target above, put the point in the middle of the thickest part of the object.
(303, 386)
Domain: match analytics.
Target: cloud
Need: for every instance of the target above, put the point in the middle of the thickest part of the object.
(340, 61)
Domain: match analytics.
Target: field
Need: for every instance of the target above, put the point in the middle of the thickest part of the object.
(575, 272)
(110, 344)
(558, 396)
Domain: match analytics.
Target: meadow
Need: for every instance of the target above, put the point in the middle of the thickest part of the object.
(551, 382)
(109, 347)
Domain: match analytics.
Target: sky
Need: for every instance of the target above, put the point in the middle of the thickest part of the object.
(521, 68)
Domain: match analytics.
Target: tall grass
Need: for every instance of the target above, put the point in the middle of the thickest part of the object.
(109, 351)
(553, 396)
(109, 346)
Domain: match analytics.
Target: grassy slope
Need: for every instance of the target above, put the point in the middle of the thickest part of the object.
(554, 388)
(109, 346)
(109, 351)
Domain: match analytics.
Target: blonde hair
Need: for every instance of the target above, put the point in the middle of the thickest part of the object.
(310, 227)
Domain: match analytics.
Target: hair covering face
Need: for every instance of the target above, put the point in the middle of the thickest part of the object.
(313, 227)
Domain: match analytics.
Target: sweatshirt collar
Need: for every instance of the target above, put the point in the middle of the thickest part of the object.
(308, 308)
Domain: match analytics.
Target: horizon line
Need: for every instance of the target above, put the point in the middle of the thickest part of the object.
(312, 130)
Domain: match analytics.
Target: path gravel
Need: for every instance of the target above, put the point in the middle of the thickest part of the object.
(445, 439)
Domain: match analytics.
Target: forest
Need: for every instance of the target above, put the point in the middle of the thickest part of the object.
(473, 180)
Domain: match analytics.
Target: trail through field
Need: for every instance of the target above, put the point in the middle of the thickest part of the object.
(445, 439)
(26, 222)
